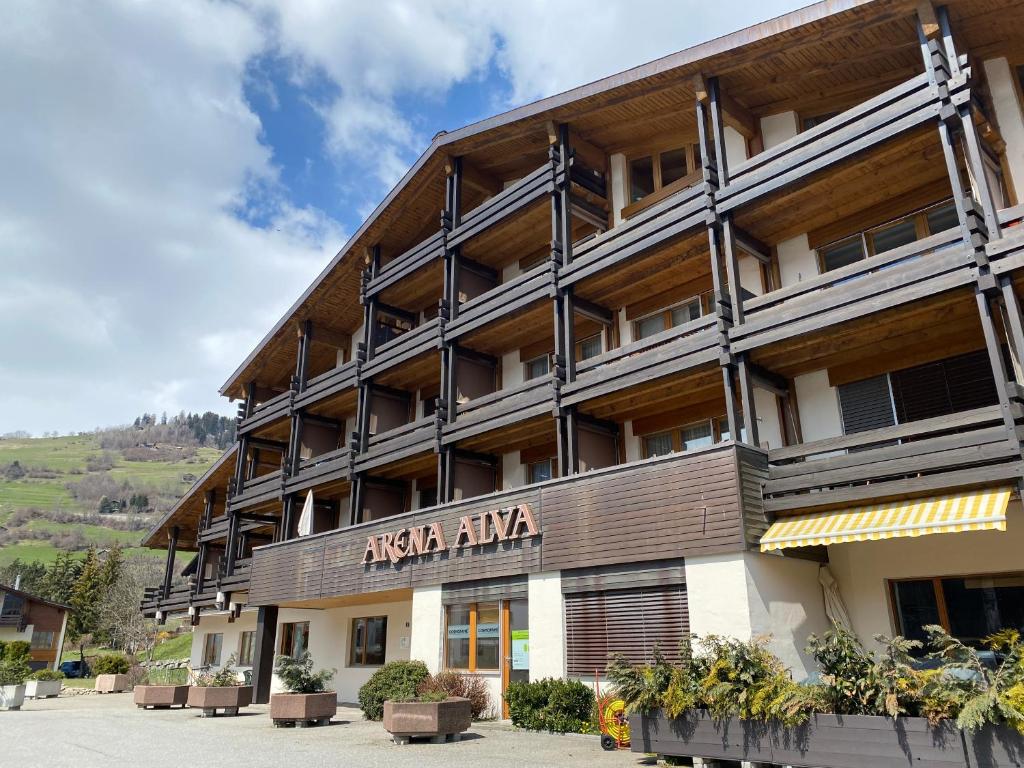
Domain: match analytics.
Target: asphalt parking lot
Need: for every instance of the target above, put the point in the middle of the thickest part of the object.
(109, 731)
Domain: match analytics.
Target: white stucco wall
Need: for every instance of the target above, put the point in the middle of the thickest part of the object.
(797, 262)
(769, 431)
(818, 405)
(617, 167)
(863, 568)
(631, 441)
(776, 129)
(735, 147)
(427, 626)
(547, 625)
(1003, 89)
(750, 274)
(218, 622)
(513, 473)
(747, 594)
(11, 634)
(512, 373)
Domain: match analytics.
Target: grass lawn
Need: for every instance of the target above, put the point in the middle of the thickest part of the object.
(178, 647)
(28, 552)
(80, 682)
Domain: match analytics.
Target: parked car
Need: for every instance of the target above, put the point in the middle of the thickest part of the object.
(74, 669)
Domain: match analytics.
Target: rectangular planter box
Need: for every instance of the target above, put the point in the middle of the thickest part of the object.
(697, 734)
(228, 698)
(12, 696)
(302, 708)
(42, 689)
(853, 741)
(112, 683)
(161, 695)
(995, 746)
(427, 718)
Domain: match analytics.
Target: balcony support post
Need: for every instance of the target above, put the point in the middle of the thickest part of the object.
(448, 311)
(995, 356)
(172, 546)
(263, 653)
(231, 547)
(1013, 322)
(208, 501)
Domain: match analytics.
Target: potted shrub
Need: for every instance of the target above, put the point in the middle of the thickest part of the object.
(161, 689)
(433, 714)
(395, 680)
(12, 683)
(44, 684)
(306, 701)
(219, 690)
(112, 673)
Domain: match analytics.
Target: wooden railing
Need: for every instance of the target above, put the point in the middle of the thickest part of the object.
(327, 384)
(399, 443)
(258, 489)
(264, 413)
(420, 339)
(503, 300)
(327, 467)
(536, 185)
(961, 450)
(500, 409)
(408, 262)
(678, 349)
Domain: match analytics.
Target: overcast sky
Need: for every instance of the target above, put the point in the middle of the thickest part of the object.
(174, 174)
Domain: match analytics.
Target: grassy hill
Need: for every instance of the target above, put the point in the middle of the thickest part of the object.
(52, 499)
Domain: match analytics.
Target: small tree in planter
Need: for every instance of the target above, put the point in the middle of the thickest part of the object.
(112, 673)
(44, 684)
(395, 680)
(307, 701)
(13, 674)
(220, 690)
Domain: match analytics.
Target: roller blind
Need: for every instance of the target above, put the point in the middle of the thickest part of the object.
(866, 404)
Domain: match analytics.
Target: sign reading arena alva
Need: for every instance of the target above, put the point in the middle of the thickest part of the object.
(484, 528)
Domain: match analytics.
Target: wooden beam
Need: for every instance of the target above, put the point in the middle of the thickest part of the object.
(735, 114)
(929, 20)
(593, 311)
(473, 177)
(320, 334)
(593, 157)
(752, 246)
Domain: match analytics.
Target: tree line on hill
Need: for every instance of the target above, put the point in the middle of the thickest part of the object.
(199, 429)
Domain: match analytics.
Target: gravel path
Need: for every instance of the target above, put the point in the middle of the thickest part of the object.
(109, 731)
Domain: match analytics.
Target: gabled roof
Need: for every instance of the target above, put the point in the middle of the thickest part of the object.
(33, 598)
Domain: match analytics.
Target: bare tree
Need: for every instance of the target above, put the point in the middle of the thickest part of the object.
(120, 617)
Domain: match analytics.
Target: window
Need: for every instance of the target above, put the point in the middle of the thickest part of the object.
(649, 326)
(902, 231)
(540, 471)
(472, 637)
(246, 648)
(42, 639)
(723, 429)
(294, 638)
(589, 347)
(368, 642)
(537, 367)
(689, 437)
(657, 445)
(658, 170)
(697, 436)
(968, 607)
(211, 649)
(663, 319)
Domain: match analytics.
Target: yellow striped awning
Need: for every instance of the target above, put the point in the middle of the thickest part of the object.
(981, 510)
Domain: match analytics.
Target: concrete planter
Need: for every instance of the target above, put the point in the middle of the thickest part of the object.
(994, 746)
(436, 719)
(112, 683)
(12, 696)
(301, 709)
(42, 689)
(697, 734)
(229, 699)
(161, 696)
(825, 741)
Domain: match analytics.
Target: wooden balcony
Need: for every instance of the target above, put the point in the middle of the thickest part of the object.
(666, 221)
(329, 384)
(874, 122)
(420, 340)
(258, 490)
(503, 300)
(268, 412)
(684, 504)
(673, 351)
(407, 263)
(505, 205)
(325, 468)
(500, 409)
(966, 449)
(931, 266)
(408, 440)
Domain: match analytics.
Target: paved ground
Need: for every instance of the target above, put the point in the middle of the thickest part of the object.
(109, 731)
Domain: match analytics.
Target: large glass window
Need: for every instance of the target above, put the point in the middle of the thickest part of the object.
(689, 437)
(42, 639)
(537, 367)
(246, 648)
(673, 316)
(540, 471)
(294, 638)
(212, 644)
(472, 637)
(697, 435)
(658, 170)
(589, 347)
(368, 645)
(657, 445)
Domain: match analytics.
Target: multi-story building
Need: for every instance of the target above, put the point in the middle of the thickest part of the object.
(640, 359)
(33, 620)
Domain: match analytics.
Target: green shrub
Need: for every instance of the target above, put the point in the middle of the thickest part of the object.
(225, 677)
(17, 651)
(551, 704)
(111, 664)
(297, 674)
(452, 683)
(47, 674)
(14, 672)
(395, 680)
(165, 677)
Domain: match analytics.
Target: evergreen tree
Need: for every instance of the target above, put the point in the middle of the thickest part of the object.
(60, 579)
(85, 602)
(110, 572)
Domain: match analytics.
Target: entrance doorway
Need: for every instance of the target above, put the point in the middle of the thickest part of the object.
(515, 635)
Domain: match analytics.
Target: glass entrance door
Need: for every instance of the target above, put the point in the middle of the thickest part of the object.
(515, 646)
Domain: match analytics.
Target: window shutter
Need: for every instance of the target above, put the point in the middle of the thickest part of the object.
(866, 405)
(631, 622)
(938, 389)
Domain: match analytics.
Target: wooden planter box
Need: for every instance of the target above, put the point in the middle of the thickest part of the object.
(228, 699)
(697, 734)
(42, 689)
(436, 719)
(994, 746)
(302, 709)
(12, 696)
(161, 696)
(825, 741)
(112, 683)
